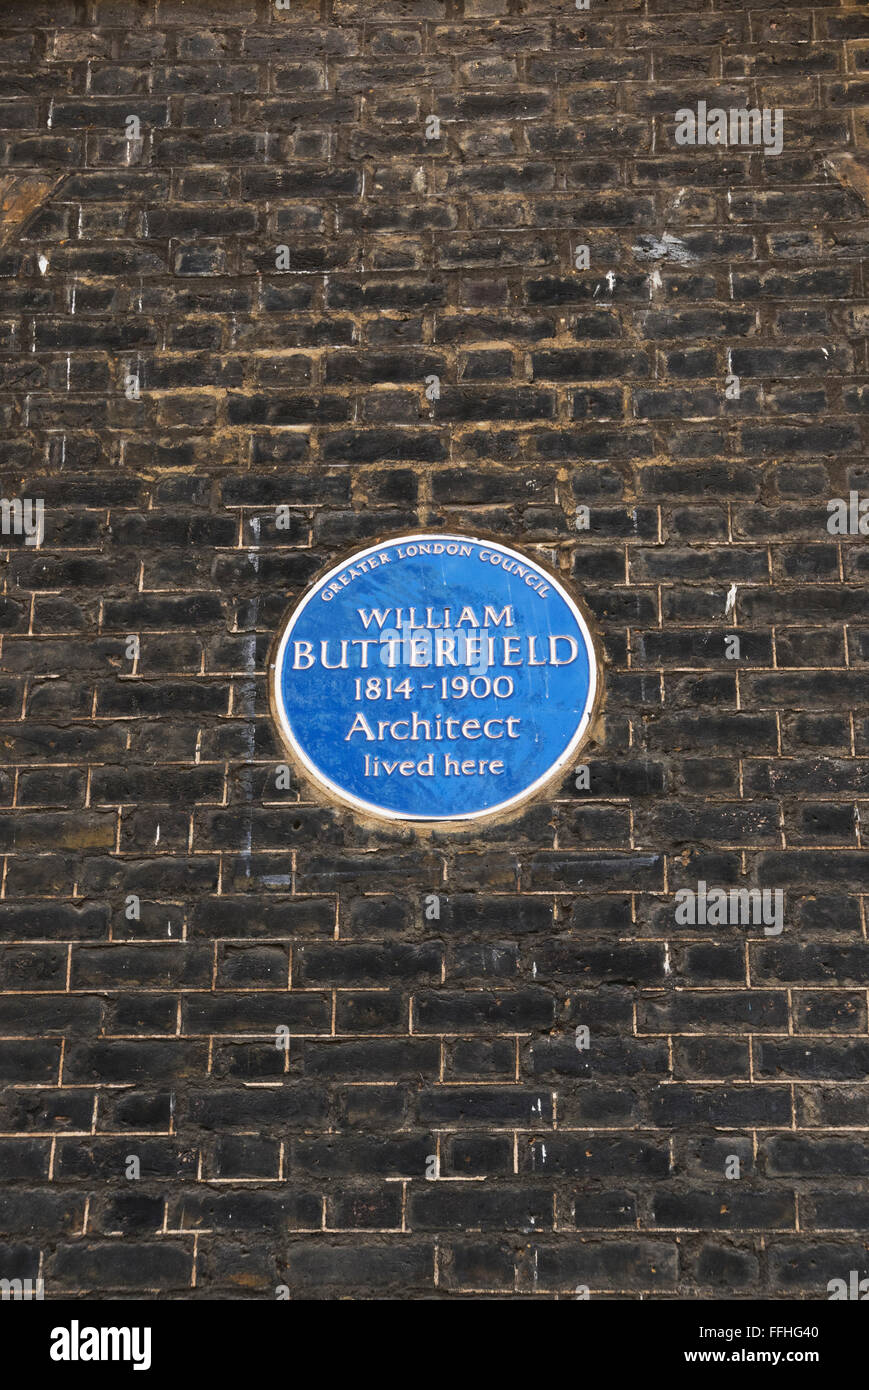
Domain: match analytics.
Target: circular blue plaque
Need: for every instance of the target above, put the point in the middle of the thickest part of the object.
(434, 678)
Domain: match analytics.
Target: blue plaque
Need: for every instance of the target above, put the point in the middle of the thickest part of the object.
(434, 678)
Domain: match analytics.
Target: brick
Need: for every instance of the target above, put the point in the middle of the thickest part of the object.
(607, 1265)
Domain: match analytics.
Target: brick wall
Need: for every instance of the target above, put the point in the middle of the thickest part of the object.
(432, 1130)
